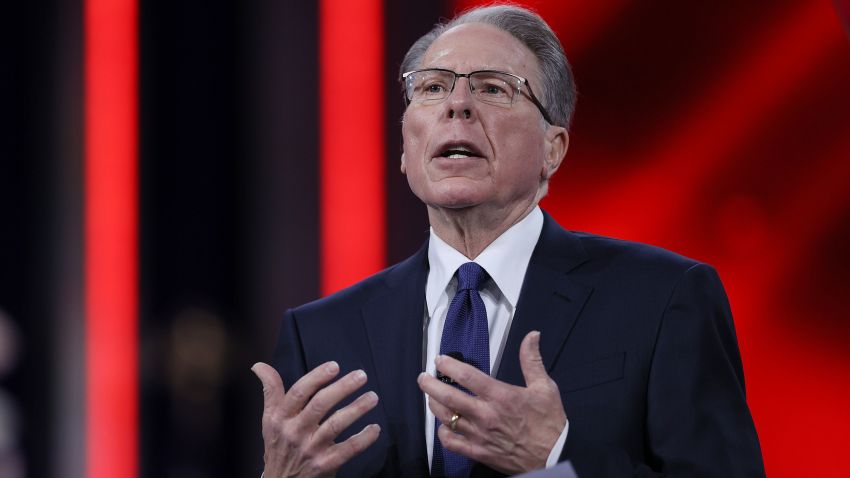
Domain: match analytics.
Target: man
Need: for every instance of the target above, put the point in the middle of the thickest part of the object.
(538, 345)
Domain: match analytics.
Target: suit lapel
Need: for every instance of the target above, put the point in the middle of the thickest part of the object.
(393, 319)
(550, 300)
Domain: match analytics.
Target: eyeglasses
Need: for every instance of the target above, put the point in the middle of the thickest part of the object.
(433, 85)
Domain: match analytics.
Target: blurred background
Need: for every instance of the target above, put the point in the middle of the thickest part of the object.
(717, 129)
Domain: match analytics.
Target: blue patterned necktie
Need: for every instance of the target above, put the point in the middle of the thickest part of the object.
(466, 337)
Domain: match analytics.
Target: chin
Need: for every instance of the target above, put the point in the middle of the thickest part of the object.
(461, 194)
(454, 201)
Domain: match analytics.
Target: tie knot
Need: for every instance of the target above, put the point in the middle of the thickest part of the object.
(470, 276)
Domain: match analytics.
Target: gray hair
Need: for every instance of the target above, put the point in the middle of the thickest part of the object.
(559, 90)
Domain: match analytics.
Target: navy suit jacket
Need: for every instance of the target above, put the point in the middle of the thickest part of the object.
(639, 340)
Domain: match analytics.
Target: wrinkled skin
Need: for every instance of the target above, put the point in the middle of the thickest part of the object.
(297, 442)
(471, 201)
(511, 429)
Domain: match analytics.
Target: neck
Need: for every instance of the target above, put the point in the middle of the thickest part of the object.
(470, 230)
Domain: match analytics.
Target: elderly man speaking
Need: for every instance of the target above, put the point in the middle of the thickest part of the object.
(506, 343)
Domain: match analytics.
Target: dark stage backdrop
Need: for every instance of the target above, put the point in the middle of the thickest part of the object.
(717, 129)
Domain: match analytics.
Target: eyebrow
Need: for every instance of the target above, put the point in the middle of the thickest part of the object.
(477, 68)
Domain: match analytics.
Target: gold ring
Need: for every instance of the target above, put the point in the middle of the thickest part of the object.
(453, 421)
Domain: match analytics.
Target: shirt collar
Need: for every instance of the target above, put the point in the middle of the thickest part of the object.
(505, 259)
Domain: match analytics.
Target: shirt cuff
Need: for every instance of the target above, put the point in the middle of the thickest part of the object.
(558, 448)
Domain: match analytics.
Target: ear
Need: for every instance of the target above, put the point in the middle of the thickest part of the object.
(557, 141)
(403, 165)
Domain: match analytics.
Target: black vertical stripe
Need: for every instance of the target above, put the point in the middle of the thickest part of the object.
(407, 219)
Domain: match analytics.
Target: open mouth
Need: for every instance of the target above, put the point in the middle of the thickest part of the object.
(459, 151)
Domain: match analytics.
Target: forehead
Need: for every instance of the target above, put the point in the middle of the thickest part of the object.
(479, 46)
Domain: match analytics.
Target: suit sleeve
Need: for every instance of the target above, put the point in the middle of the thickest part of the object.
(697, 419)
(289, 354)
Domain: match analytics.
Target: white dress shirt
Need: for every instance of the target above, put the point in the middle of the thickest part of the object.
(506, 261)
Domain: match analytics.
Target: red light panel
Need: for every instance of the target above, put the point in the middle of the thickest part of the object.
(111, 218)
(352, 141)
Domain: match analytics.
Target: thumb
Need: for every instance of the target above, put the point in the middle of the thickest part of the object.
(530, 359)
(273, 390)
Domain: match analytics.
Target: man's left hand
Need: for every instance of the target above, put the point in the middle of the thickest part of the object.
(508, 428)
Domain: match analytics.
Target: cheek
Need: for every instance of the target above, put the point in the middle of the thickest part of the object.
(520, 151)
(411, 151)
(412, 133)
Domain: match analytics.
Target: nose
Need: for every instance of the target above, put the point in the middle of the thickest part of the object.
(460, 103)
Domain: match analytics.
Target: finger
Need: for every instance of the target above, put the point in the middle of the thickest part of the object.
(340, 453)
(470, 377)
(442, 412)
(530, 359)
(447, 395)
(325, 399)
(464, 425)
(273, 391)
(344, 417)
(306, 387)
(459, 443)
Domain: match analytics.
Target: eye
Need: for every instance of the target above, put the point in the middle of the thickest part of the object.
(433, 88)
(492, 89)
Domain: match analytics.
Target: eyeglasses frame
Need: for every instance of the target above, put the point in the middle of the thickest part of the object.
(521, 81)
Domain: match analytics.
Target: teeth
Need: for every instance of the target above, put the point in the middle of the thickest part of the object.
(458, 152)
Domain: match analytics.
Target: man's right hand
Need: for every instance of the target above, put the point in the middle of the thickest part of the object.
(297, 441)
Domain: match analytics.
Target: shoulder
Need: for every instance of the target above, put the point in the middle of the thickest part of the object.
(354, 297)
(600, 258)
(637, 254)
(642, 268)
(351, 297)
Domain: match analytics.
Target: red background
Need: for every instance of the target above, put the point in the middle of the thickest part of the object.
(721, 130)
